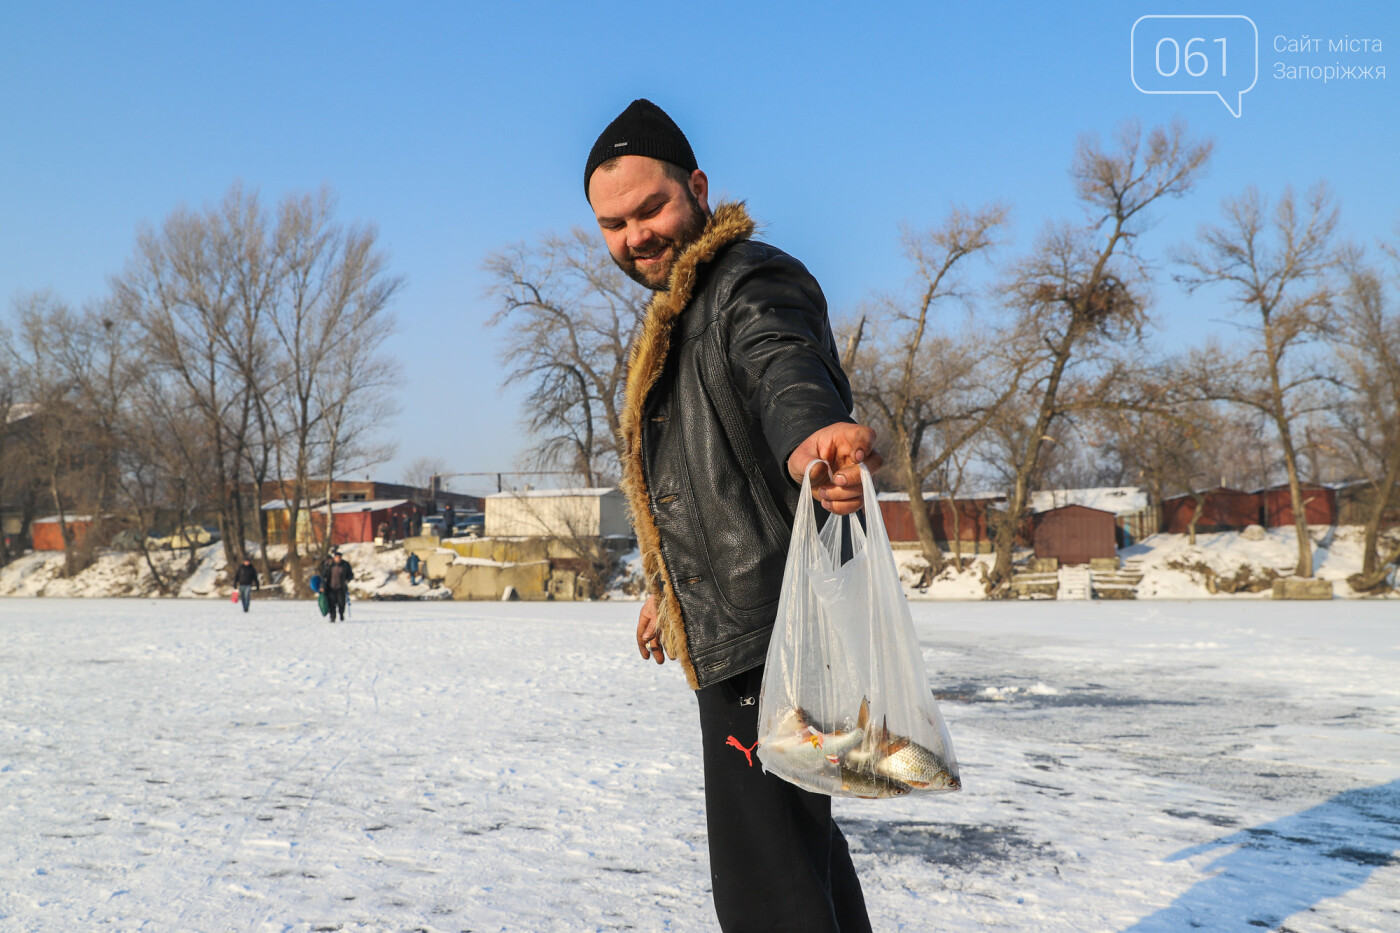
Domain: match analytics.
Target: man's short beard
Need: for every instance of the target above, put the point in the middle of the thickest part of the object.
(688, 235)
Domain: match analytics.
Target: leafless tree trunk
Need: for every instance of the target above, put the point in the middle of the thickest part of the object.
(13, 478)
(1370, 422)
(141, 490)
(1079, 288)
(1173, 442)
(352, 396)
(330, 313)
(1277, 269)
(951, 474)
(929, 391)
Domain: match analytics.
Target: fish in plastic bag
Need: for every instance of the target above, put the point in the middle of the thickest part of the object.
(845, 708)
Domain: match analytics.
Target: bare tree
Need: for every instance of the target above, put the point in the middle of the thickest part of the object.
(184, 286)
(1081, 289)
(79, 367)
(419, 474)
(571, 315)
(151, 476)
(1369, 420)
(1171, 448)
(270, 329)
(353, 400)
(928, 389)
(1276, 266)
(17, 484)
(101, 358)
(329, 319)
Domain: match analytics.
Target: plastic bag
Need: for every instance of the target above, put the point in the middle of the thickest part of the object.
(846, 708)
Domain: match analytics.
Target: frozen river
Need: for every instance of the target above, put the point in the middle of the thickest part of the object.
(1145, 767)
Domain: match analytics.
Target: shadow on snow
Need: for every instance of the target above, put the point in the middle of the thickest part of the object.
(1288, 865)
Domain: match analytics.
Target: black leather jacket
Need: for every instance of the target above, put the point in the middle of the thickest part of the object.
(752, 371)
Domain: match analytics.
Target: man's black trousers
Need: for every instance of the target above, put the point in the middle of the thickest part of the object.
(778, 861)
(338, 600)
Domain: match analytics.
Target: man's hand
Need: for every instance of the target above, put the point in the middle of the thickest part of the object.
(648, 641)
(844, 446)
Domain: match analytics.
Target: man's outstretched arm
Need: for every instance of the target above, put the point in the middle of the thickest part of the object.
(843, 445)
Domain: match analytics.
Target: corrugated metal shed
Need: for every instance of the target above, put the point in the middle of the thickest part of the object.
(970, 515)
(1075, 534)
(1357, 500)
(48, 536)
(1224, 509)
(1319, 505)
(1129, 505)
(355, 522)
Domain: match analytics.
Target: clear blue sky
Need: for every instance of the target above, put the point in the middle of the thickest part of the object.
(459, 128)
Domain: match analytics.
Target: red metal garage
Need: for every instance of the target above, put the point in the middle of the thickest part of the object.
(48, 535)
(357, 522)
(1319, 505)
(971, 516)
(1224, 510)
(1075, 534)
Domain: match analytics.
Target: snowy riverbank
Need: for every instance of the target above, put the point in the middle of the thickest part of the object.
(1171, 567)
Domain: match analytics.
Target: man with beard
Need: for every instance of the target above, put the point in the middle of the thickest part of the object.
(734, 386)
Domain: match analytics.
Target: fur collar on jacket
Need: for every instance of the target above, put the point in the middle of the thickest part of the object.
(729, 224)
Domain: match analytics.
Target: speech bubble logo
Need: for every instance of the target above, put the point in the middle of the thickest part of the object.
(1208, 54)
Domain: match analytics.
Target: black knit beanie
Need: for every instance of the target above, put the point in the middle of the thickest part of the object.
(642, 129)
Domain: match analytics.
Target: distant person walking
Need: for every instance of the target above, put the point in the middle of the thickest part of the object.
(335, 580)
(245, 578)
(412, 566)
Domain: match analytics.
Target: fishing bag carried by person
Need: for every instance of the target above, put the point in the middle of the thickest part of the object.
(846, 708)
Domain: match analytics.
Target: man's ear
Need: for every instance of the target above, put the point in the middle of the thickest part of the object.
(700, 187)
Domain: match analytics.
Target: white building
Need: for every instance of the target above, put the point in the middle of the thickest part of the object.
(557, 513)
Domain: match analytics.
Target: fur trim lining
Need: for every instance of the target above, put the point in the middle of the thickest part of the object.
(730, 223)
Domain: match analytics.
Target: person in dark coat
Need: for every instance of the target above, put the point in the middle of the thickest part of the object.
(734, 386)
(245, 578)
(336, 575)
(412, 566)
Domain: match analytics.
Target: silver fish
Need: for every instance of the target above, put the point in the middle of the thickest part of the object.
(806, 747)
(911, 763)
(900, 759)
(870, 786)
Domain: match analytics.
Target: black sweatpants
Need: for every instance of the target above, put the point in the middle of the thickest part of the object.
(778, 862)
(338, 600)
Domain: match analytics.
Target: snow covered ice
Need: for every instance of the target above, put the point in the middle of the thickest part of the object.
(1136, 766)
